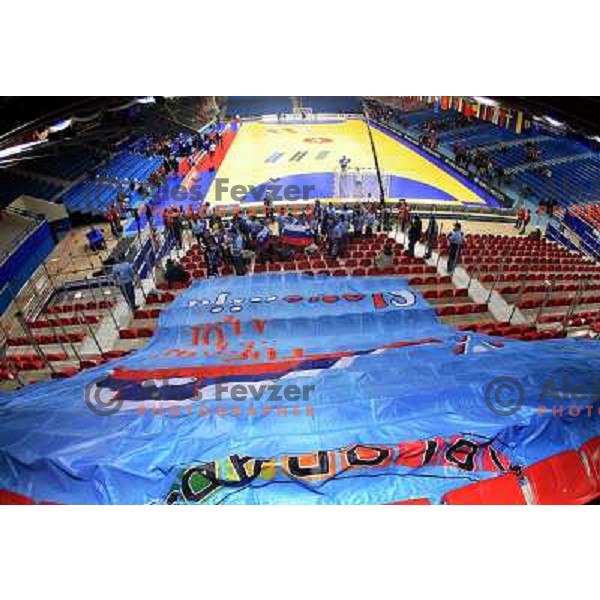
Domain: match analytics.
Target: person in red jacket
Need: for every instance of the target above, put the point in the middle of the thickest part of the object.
(521, 213)
(114, 220)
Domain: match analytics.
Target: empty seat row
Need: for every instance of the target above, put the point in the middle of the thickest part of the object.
(460, 309)
(553, 301)
(79, 306)
(147, 313)
(446, 293)
(43, 340)
(136, 332)
(571, 477)
(64, 322)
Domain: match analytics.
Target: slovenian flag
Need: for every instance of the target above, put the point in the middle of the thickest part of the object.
(297, 234)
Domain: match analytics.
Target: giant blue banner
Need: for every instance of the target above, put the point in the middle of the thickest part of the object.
(295, 389)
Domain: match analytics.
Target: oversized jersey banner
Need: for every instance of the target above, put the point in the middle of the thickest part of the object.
(295, 389)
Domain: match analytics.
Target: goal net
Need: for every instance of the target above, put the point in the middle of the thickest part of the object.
(303, 113)
(353, 184)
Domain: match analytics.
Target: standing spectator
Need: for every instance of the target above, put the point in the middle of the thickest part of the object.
(198, 230)
(112, 215)
(386, 217)
(404, 216)
(345, 222)
(237, 250)
(124, 275)
(176, 227)
(263, 241)
(456, 239)
(370, 222)
(136, 217)
(358, 221)
(414, 234)
(211, 257)
(149, 215)
(526, 219)
(431, 236)
(520, 217)
(336, 238)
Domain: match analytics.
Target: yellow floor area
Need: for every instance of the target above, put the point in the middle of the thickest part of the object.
(262, 152)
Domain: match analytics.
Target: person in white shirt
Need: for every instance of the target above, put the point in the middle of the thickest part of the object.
(456, 239)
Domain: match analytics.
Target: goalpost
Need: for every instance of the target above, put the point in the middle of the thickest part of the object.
(357, 185)
(303, 113)
(298, 115)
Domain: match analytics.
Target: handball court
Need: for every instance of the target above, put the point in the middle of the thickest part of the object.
(307, 154)
(259, 156)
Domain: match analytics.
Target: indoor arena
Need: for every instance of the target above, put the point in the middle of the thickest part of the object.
(298, 300)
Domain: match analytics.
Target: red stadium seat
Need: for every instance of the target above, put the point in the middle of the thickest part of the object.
(495, 491)
(12, 498)
(65, 373)
(89, 364)
(561, 479)
(464, 309)
(145, 332)
(591, 453)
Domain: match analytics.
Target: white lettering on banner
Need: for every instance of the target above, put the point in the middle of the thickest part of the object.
(397, 299)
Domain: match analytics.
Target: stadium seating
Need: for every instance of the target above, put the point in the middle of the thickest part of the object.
(505, 489)
(561, 479)
(95, 195)
(565, 171)
(516, 266)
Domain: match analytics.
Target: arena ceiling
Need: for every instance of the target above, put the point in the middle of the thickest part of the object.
(95, 121)
(581, 113)
(22, 116)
